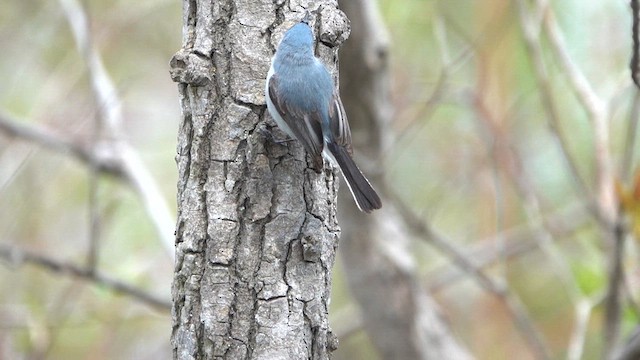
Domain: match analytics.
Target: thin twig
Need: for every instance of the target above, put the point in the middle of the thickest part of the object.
(110, 107)
(17, 257)
(581, 87)
(578, 335)
(418, 117)
(511, 301)
(516, 171)
(531, 30)
(61, 310)
(596, 110)
(628, 293)
(109, 103)
(630, 140)
(612, 301)
(607, 206)
(94, 220)
(57, 143)
(93, 251)
(124, 164)
(517, 242)
(635, 50)
(149, 192)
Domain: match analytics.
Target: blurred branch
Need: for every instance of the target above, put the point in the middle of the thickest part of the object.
(596, 109)
(125, 164)
(154, 203)
(630, 140)
(508, 158)
(110, 108)
(57, 143)
(15, 256)
(612, 230)
(416, 119)
(114, 157)
(583, 90)
(109, 104)
(635, 58)
(613, 303)
(62, 308)
(517, 242)
(402, 321)
(511, 301)
(531, 30)
(94, 220)
(576, 343)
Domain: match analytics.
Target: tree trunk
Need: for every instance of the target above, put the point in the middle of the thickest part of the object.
(402, 321)
(256, 232)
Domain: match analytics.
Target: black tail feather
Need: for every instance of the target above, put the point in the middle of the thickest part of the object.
(363, 193)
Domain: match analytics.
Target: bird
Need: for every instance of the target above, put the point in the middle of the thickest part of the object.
(304, 102)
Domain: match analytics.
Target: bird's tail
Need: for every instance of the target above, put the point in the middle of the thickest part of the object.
(363, 193)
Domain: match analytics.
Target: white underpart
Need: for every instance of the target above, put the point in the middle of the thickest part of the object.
(272, 108)
(283, 125)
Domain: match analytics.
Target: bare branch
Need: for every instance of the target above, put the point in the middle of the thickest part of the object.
(511, 301)
(122, 161)
(630, 141)
(517, 243)
(576, 343)
(94, 221)
(635, 59)
(16, 257)
(105, 91)
(583, 90)
(110, 107)
(531, 30)
(517, 240)
(516, 171)
(417, 118)
(57, 143)
(613, 303)
(143, 182)
(596, 109)
(400, 318)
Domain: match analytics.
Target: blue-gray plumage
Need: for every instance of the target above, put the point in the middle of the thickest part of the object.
(304, 103)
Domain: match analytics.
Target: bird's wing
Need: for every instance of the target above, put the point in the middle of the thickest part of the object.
(339, 123)
(306, 127)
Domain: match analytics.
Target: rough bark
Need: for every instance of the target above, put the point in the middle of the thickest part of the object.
(402, 321)
(256, 232)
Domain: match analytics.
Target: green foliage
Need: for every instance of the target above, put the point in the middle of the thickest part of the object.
(590, 276)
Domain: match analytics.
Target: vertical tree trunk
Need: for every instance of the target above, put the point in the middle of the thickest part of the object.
(256, 233)
(401, 319)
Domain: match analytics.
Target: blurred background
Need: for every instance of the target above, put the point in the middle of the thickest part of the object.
(493, 148)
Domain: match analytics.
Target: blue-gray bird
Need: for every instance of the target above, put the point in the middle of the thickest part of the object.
(304, 102)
